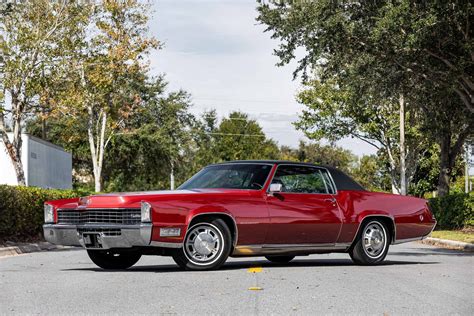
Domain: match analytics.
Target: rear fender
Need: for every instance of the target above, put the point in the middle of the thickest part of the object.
(368, 214)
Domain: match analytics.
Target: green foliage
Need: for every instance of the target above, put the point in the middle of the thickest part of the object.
(453, 211)
(240, 138)
(361, 56)
(370, 172)
(21, 209)
(314, 152)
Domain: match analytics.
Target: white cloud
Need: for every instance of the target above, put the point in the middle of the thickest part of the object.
(216, 51)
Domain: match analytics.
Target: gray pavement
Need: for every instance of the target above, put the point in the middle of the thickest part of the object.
(416, 279)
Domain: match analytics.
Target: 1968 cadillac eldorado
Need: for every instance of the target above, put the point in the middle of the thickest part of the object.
(275, 209)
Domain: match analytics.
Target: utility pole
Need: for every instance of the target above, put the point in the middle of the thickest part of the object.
(466, 172)
(403, 181)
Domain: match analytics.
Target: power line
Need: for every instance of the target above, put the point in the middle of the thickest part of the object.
(230, 134)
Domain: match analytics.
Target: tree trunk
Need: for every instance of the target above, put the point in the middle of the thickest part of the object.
(172, 176)
(14, 148)
(403, 180)
(95, 154)
(448, 155)
(444, 166)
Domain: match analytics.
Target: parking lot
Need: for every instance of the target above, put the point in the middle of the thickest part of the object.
(416, 279)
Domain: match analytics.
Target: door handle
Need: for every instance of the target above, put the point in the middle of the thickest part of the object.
(331, 200)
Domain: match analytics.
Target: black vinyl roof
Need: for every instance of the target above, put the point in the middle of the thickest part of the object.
(341, 179)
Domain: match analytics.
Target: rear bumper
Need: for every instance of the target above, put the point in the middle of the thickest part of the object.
(109, 236)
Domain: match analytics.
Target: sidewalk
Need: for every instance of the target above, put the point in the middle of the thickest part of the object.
(13, 249)
(450, 244)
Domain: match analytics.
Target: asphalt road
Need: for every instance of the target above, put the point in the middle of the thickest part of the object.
(416, 279)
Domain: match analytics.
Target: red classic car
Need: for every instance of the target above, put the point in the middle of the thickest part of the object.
(276, 209)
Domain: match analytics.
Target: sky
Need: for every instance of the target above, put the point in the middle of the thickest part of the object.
(215, 50)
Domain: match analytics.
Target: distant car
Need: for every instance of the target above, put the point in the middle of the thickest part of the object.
(276, 209)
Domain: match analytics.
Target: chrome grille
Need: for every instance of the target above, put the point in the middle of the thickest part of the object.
(100, 216)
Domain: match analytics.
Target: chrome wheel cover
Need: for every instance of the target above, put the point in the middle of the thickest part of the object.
(374, 240)
(203, 244)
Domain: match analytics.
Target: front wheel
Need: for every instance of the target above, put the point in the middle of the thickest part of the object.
(372, 244)
(206, 246)
(113, 260)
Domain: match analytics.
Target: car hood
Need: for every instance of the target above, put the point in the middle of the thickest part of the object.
(133, 199)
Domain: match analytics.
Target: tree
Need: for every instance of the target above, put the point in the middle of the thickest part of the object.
(370, 172)
(103, 86)
(241, 138)
(335, 111)
(155, 148)
(395, 49)
(34, 41)
(317, 153)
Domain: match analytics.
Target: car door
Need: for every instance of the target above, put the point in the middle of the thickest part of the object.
(305, 211)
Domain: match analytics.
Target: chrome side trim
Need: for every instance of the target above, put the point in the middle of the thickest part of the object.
(252, 250)
(236, 237)
(166, 244)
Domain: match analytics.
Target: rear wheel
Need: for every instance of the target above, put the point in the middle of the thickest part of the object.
(372, 244)
(280, 259)
(113, 260)
(207, 246)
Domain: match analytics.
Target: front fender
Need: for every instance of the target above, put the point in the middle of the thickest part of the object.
(207, 209)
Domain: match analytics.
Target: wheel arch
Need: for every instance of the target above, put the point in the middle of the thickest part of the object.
(388, 220)
(226, 217)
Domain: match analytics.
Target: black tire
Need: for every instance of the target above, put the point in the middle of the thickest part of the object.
(373, 251)
(280, 259)
(217, 229)
(109, 260)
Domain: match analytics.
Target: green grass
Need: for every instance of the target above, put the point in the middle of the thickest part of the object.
(454, 235)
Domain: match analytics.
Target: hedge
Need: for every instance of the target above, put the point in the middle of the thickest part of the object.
(21, 210)
(453, 211)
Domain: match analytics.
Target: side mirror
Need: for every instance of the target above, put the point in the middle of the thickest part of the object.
(275, 188)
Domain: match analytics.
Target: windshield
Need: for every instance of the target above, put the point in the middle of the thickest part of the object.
(229, 176)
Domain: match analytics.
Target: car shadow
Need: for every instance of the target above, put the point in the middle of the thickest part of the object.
(243, 265)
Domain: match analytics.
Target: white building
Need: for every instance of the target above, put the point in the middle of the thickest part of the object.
(45, 164)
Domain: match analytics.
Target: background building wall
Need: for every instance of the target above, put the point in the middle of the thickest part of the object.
(46, 165)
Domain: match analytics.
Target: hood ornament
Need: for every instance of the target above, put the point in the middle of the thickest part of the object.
(84, 201)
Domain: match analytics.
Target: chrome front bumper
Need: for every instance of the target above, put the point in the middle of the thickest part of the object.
(108, 236)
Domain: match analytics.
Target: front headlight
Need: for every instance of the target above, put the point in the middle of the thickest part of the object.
(48, 213)
(146, 212)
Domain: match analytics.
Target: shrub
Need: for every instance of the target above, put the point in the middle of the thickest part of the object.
(21, 210)
(453, 211)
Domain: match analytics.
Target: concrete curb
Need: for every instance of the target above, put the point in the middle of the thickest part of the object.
(13, 249)
(450, 244)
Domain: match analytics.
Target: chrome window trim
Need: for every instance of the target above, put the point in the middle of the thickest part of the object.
(308, 166)
(324, 181)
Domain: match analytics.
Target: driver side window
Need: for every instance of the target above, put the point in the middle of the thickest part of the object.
(300, 179)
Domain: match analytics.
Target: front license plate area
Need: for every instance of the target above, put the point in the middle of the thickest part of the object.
(92, 240)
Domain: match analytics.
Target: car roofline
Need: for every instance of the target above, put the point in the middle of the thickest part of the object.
(269, 162)
(349, 183)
